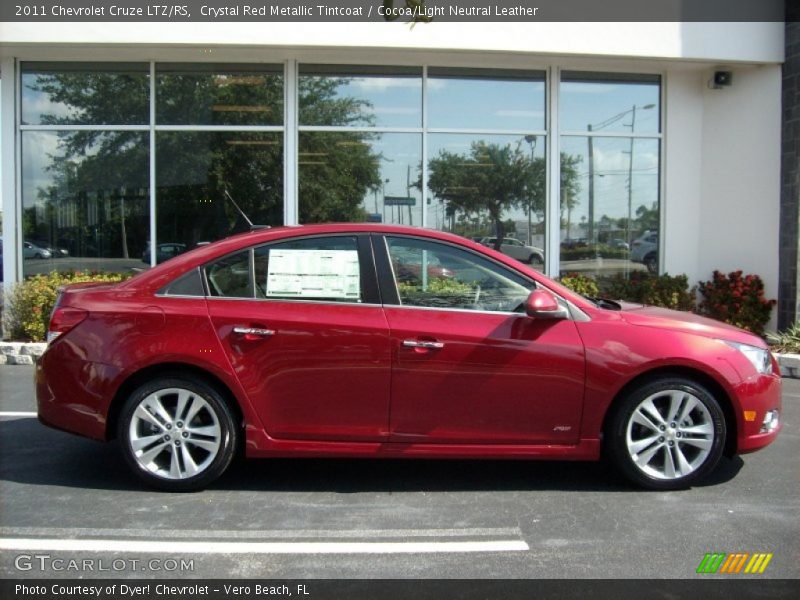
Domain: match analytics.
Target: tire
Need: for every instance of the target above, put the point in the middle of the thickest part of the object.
(651, 262)
(535, 259)
(666, 434)
(174, 454)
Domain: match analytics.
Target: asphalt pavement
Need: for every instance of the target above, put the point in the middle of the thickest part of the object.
(75, 502)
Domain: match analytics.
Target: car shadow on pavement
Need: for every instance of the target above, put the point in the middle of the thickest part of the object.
(32, 454)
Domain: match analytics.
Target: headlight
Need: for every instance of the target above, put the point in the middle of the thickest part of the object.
(758, 357)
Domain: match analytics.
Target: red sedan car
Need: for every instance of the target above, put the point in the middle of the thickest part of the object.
(303, 341)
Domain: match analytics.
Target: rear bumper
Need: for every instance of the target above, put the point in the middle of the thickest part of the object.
(73, 394)
(757, 395)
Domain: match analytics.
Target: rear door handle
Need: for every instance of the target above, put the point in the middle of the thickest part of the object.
(423, 344)
(253, 331)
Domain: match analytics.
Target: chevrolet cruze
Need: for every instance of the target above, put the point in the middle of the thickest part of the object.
(363, 340)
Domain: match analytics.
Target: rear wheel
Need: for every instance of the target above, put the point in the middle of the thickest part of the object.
(651, 262)
(535, 259)
(177, 433)
(667, 434)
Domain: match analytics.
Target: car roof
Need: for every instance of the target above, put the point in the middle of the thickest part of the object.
(160, 275)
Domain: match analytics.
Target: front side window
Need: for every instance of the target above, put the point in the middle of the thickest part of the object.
(434, 275)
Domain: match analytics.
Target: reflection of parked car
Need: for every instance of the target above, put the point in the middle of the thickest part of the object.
(516, 249)
(164, 252)
(30, 250)
(645, 250)
(408, 267)
(619, 244)
(54, 252)
(570, 243)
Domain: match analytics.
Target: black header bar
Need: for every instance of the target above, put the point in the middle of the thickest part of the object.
(418, 11)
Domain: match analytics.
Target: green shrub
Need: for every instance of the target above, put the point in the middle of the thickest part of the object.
(29, 304)
(592, 252)
(736, 299)
(581, 284)
(787, 340)
(667, 291)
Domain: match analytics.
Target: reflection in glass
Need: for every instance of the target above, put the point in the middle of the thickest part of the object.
(194, 168)
(353, 176)
(360, 96)
(490, 189)
(610, 102)
(85, 93)
(481, 99)
(85, 200)
(613, 208)
(211, 94)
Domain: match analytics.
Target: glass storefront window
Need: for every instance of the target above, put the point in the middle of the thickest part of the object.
(85, 93)
(193, 171)
(360, 96)
(359, 157)
(355, 176)
(85, 200)
(610, 208)
(211, 94)
(609, 204)
(610, 102)
(487, 100)
(491, 189)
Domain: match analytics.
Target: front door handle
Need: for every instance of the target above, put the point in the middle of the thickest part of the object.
(253, 331)
(423, 344)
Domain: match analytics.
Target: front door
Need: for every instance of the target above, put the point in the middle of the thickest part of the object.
(469, 367)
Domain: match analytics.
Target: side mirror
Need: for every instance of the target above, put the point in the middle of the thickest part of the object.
(541, 304)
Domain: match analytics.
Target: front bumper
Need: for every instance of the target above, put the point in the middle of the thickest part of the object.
(757, 396)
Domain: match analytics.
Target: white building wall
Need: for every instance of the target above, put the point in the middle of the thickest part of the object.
(734, 42)
(683, 160)
(739, 211)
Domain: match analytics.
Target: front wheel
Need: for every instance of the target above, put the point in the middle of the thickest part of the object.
(177, 433)
(667, 434)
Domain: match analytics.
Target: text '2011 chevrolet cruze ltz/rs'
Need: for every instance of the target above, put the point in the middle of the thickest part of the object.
(365, 340)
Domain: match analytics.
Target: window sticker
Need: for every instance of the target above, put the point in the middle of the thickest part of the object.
(314, 274)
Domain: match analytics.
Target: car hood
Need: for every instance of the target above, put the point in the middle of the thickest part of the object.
(675, 320)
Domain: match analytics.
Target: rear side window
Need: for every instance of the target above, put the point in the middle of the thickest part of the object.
(326, 269)
(190, 284)
(322, 269)
(230, 277)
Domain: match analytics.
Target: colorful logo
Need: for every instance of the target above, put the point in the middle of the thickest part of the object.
(741, 562)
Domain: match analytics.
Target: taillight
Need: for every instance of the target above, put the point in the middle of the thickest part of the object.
(64, 319)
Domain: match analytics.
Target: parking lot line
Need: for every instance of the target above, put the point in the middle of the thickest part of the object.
(17, 413)
(383, 535)
(209, 547)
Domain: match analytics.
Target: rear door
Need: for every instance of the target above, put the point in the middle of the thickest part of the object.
(301, 323)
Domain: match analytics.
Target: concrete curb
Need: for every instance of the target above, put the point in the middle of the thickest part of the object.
(20, 353)
(790, 365)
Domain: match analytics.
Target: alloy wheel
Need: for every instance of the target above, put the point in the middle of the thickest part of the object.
(174, 433)
(670, 434)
